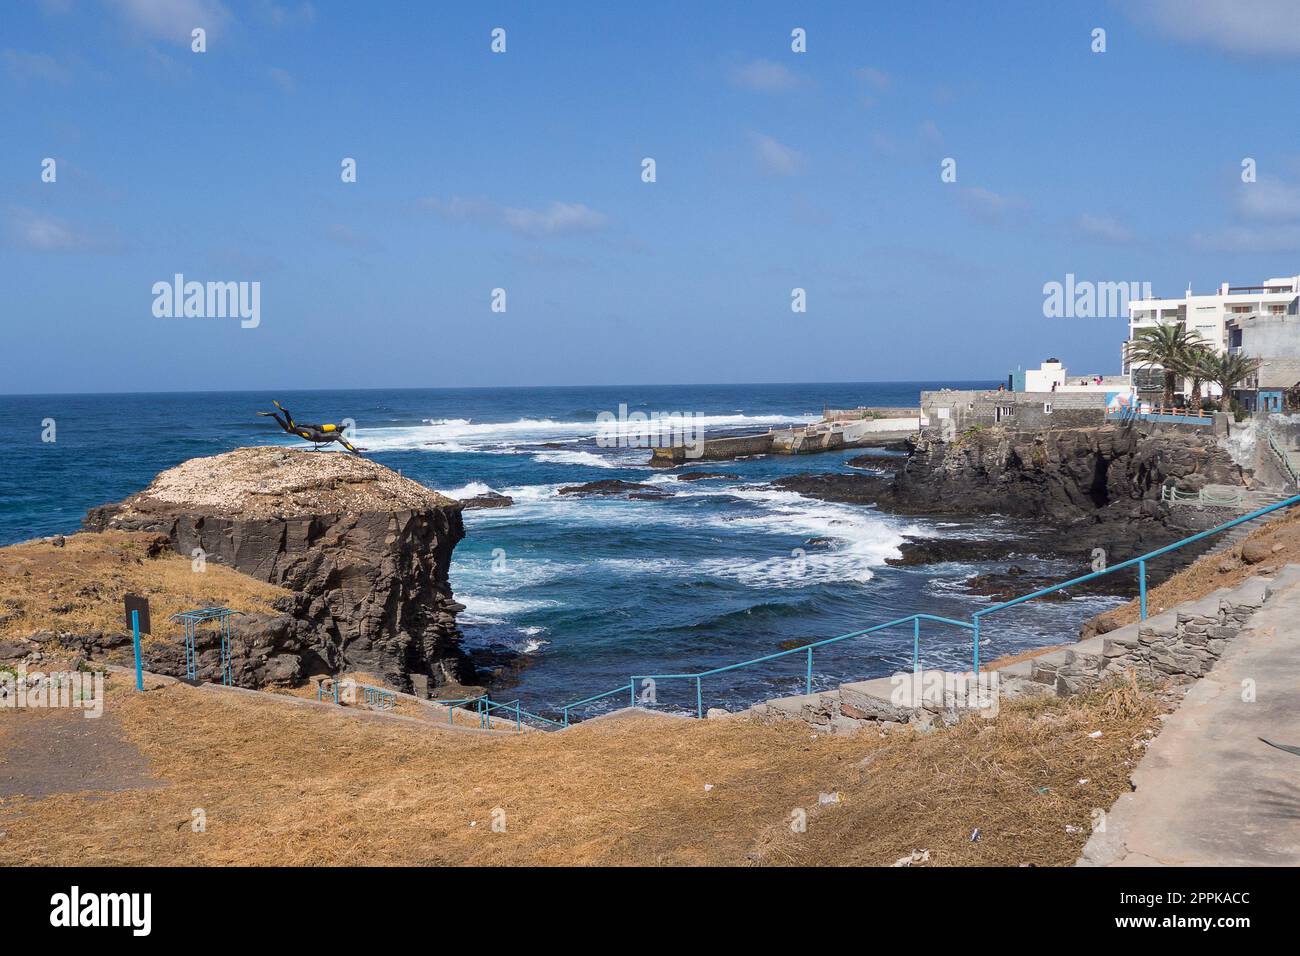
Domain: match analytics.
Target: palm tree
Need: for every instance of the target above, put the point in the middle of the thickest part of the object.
(1200, 365)
(1167, 346)
(1228, 371)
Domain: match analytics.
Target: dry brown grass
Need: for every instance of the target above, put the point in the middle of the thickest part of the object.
(1020, 779)
(1213, 571)
(284, 784)
(79, 587)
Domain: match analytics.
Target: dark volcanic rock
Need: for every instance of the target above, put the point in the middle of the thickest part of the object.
(1060, 474)
(940, 550)
(12, 650)
(615, 486)
(1096, 488)
(489, 499)
(878, 462)
(846, 488)
(703, 475)
(366, 551)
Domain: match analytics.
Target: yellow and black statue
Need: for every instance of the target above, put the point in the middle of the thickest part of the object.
(316, 434)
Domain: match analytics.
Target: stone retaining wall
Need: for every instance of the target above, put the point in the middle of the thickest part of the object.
(1178, 646)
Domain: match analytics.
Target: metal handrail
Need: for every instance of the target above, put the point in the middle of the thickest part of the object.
(1172, 495)
(1139, 562)
(1282, 456)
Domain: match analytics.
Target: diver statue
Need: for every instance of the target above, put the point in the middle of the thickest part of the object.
(316, 434)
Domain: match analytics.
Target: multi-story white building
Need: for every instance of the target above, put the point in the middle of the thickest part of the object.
(1218, 318)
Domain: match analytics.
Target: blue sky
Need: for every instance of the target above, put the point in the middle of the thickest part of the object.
(522, 171)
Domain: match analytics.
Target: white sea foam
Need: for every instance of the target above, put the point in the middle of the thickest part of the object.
(463, 435)
(574, 458)
(858, 540)
(487, 609)
(471, 490)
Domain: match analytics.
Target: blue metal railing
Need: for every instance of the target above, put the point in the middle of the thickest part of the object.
(379, 698)
(1161, 415)
(483, 706)
(806, 649)
(973, 625)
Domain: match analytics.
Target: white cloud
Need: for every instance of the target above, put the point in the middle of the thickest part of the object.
(553, 219)
(878, 80)
(988, 206)
(764, 76)
(1249, 239)
(282, 78)
(345, 235)
(1103, 228)
(37, 67)
(776, 157)
(34, 232)
(287, 15)
(1251, 27)
(930, 133)
(1269, 200)
(172, 20)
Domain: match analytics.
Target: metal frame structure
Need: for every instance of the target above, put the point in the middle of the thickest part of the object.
(191, 621)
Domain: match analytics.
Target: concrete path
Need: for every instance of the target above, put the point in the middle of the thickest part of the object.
(1208, 792)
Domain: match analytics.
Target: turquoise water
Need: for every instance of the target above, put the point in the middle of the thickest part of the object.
(569, 596)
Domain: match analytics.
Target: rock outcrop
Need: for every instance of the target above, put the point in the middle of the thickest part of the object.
(1101, 484)
(365, 551)
(1059, 473)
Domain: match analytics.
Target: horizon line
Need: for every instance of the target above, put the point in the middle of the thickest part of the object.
(466, 388)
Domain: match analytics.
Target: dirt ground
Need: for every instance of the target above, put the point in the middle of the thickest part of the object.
(279, 784)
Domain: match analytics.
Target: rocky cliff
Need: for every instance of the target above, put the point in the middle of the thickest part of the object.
(1060, 473)
(364, 551)
(1094, 487)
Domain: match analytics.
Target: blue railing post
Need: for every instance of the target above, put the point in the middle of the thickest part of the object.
(135, 639)
(1142, 588)
(566, 716)
(699, 699)
(631, 691)
(916, 645)
(517, 728)
(808, 682)
(975, 657)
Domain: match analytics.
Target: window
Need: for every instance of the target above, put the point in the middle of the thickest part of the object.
(1047, 408)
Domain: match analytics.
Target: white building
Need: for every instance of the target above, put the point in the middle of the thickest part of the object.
(1217, 318)
(1052, 376)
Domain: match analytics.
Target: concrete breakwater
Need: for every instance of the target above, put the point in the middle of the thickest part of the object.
(849, 428)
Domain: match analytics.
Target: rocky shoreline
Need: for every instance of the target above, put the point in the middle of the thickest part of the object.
(1078, 494)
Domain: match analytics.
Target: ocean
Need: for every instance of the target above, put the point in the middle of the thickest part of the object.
(569, 596)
